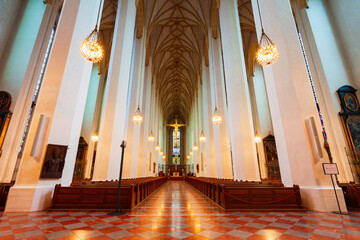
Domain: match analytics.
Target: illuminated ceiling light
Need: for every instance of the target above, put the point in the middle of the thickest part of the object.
(157, 148)
(161, 153)
(195, 147)
(91, 48)
(163, 157)
(202, 137)
(187, 157)
(267, 53)
(137, 116)
(94, 138)
(191, 153)
(151, 137)
(257, 139)
(216, 117)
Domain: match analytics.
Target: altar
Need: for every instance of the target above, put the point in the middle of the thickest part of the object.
(175, 174)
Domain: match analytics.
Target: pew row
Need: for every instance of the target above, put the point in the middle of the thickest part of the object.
(102, 195)
(232, 195)
(351, 193)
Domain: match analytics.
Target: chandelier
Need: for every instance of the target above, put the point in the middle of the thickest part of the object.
(202, 137)
(195, 147)
(91, 48)
(157, 148)
(191, 153)
(161, 153)
(267, 53)
(151, 137)
(216, 117)
(163, 157)
(137, 118)
(188, 157)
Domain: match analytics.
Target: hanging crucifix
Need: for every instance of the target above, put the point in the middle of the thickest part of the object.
(176, 127)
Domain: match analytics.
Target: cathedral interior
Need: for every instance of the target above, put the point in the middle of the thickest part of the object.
(192, 119)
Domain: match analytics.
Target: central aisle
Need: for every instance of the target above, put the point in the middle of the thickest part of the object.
(178, 200)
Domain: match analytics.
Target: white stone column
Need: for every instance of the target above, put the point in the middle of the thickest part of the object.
(131, 158)
(223, 164)
(62, 99)
(238, 99)
(260, 113)
(291, 105)
(94, 128)
(330, 69)
(144, 145)
(208, 128)
(115, 107)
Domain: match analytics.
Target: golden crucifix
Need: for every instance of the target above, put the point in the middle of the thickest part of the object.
(176, 126)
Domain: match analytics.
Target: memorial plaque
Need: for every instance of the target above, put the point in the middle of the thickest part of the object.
(330, 169)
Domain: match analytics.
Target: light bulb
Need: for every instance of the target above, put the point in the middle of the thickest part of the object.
(195, 147)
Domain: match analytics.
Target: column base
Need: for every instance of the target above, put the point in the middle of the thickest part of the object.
(322, 199)
(28, 198)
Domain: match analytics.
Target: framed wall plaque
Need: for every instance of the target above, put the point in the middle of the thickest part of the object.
(330, 169)
(54, 161)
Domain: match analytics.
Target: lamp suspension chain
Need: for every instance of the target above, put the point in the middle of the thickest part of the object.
(267, 52)
(91, 48)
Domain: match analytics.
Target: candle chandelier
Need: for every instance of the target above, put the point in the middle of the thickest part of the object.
(91, 48)
(267, 52)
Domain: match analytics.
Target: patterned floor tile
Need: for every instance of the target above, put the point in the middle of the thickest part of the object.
(178, 211)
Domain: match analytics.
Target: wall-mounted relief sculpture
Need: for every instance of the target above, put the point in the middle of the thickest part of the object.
(350, 119)
(271, 158)
(54, 161)
(5, 115)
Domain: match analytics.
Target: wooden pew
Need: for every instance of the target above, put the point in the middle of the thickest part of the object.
(102, 195)
(236, 198)
(232, 195)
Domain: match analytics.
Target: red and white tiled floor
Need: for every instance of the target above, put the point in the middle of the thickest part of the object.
(178, 211)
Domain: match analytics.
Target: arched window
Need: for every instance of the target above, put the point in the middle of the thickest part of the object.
(176, 147)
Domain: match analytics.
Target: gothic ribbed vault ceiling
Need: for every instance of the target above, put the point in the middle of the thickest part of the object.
(175, 41)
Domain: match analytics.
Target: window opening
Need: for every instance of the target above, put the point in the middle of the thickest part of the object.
(176, 147)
